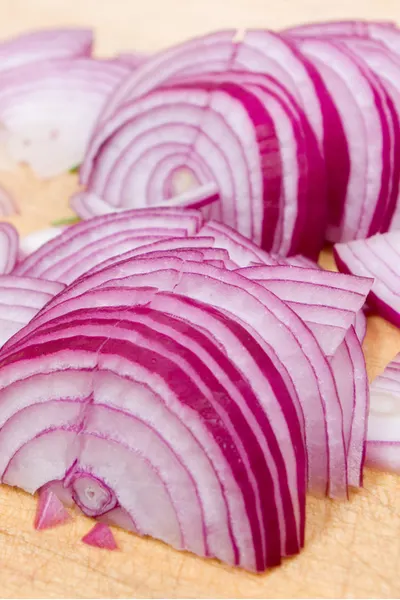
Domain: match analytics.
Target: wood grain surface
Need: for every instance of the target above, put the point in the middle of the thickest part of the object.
(352, 549)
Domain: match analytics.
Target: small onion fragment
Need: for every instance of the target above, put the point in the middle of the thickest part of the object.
(383, 437)
(377, 257)
(50, 511)
(100, 536)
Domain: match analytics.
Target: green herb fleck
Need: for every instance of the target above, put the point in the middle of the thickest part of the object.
(66, 221)
(74, 169)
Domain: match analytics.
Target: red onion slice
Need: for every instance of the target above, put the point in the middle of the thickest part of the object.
(50, 511)
(281, 317)
(260, 51)
(9, 240)
(383, 450)
(39, 126)
(44, 45)
(93, 448)
(100, 536)
(376, 257)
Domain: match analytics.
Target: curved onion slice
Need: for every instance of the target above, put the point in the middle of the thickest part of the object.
(259, 51)
(358, 99)
(44, 45)
(47, 113)
(50, 511)
(9, 240)
(376, 257)
(283, 330)
(327, 302)
(86, 244)
(8, 206)
(383, 437)
(100, 536)
(20, 299)
(243, 132)
(147, 414)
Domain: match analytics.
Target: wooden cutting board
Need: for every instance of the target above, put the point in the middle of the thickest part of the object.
(352, 549)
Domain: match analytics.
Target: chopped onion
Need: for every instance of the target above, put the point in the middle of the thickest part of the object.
(383, 438)
(100, 536)
(9, 240)
(376, 257)
(50, 511)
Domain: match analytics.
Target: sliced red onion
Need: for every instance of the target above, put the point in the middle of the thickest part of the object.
(350, 372)
(260, 51)
(100, 536)
(21, 298)
(88, 204)
(50, 511)
(357, 97)
(8, 206)
(376, 257)
(86, 244)
(360, 325)
(283, 317)
(44, 45)
(326, 301)
(155, 514)
(47, 113)
(9, 240)
(383, 437)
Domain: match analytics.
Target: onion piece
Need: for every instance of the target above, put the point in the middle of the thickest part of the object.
(9, 240)
(100, 536)
(376, 257)
(259, 51)
(383, 447)
(8, 206)
(38, 125)
(125, 488)
(21, 298)
(44, 45)
(50, 511)
(291, 329)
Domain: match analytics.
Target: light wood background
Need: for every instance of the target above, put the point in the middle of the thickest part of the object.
(352, 549)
